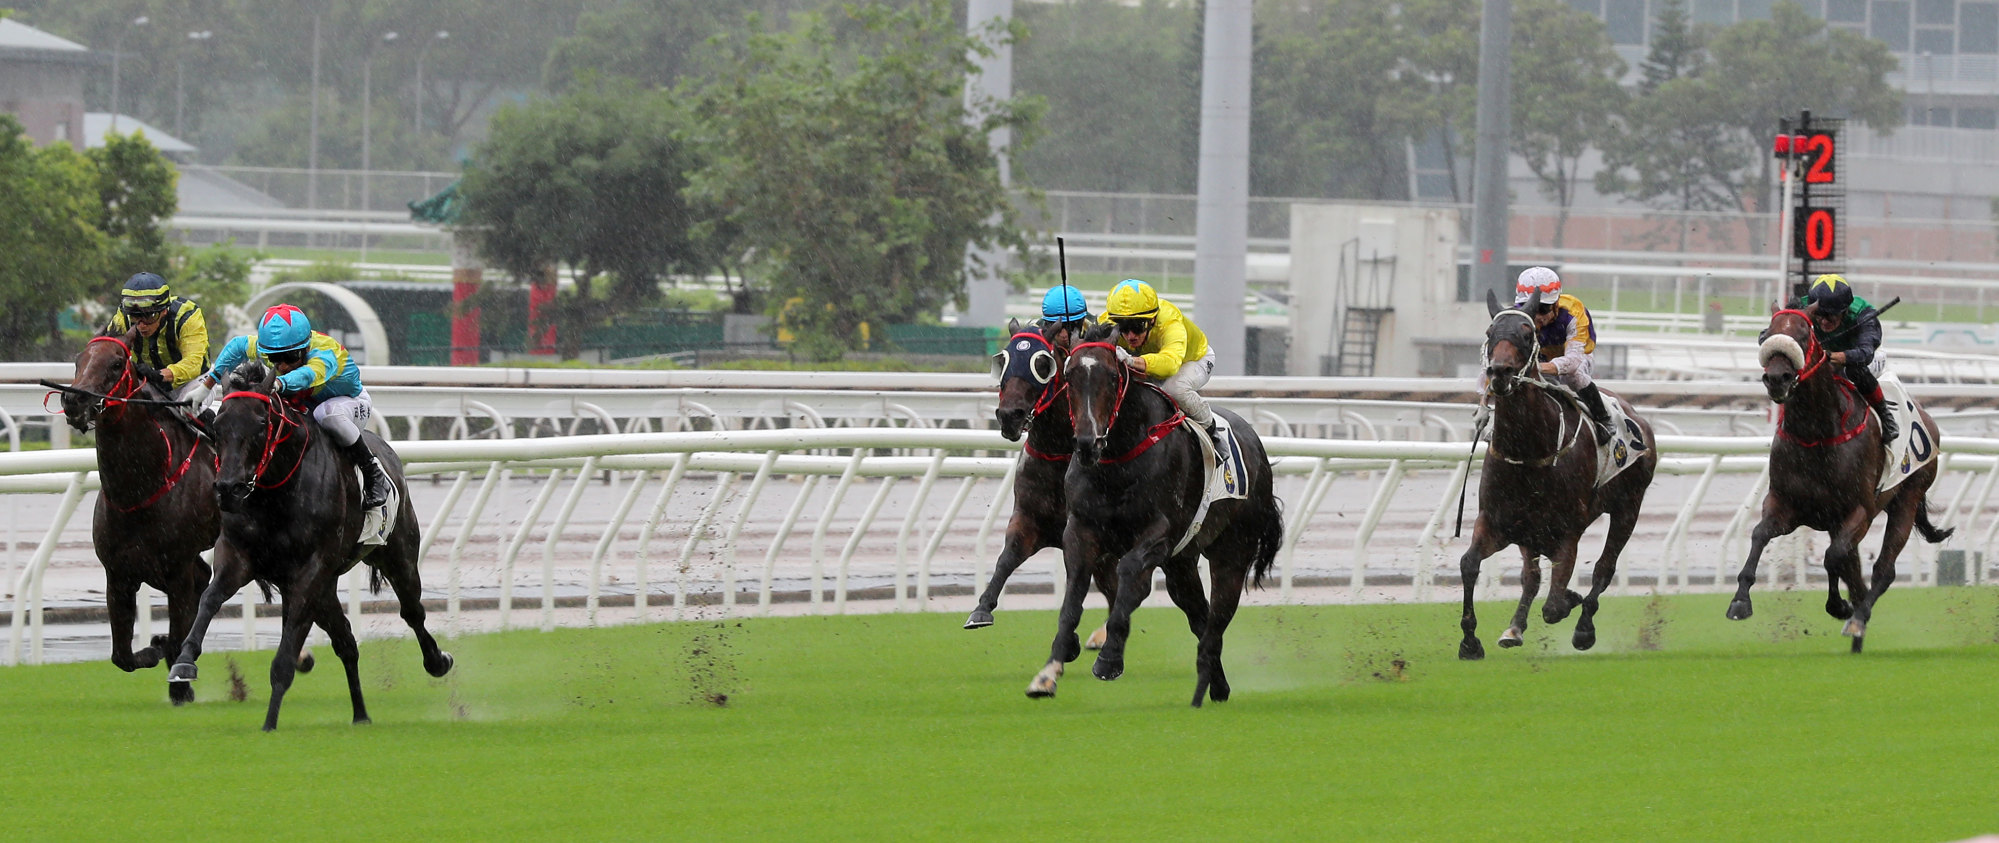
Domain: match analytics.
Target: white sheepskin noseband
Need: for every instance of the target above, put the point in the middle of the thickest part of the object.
(1781, 344)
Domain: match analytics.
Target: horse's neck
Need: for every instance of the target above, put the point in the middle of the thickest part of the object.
(1142, 408)
(131, 438)
(1820, 407)
(1051, 431)
(1530, 424)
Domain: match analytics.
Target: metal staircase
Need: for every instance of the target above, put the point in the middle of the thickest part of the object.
(1361, 301)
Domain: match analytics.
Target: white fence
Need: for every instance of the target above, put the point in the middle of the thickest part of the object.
(673, 565)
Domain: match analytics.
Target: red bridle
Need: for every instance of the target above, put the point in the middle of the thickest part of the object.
(1153, 435)
(1815, 359)
(127, 386)
(278, 429)
(1050, 390)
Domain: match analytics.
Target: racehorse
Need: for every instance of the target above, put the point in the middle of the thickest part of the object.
(1034, 401)
(156, 511)
(291, 517)
(1824, 470)
(1537, 488)
(1135, 488)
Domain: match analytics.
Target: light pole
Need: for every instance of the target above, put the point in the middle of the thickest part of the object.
(416, 126)
(117, 49)
(367, 90)
(180, 82)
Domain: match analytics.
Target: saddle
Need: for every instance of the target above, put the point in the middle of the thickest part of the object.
(1224, 477)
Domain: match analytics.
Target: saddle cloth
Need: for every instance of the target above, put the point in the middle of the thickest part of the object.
(1225, 478)
(1913, 449)
(1624, 447)
(376, 524)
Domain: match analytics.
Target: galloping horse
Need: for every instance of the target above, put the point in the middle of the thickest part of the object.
(1824, 471)
(1537, 488)
(291, 516)
(1033, 400)
(156, 511)
(1135, 489)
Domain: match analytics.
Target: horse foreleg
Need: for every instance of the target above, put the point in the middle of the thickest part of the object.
(181, 606)
(333, 619)
(1023, 539)
(121, 601)
(231, 574)
(1777, 521)
(1621, 524)
(1483, 544)
(1078, 552)
(298, 612)
(1134, 584)
(1530, 587)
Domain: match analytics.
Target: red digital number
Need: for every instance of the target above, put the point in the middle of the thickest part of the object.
(1820, 148)
(1819, 234)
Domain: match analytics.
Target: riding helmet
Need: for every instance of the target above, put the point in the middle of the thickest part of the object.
(1064, 304)
(1133, 299)
(1830, 293)
(1537, 283)
(283, 328)
(144, 295)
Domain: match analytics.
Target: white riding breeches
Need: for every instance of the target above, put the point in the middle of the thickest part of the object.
(1579, 379)
(1181, 385)
(344, 416)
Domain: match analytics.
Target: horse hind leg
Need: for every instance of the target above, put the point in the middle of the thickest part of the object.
(1842, 562)
(1226, 579)
(330, 616)
(400, 570)
(1530, 585)
(1622, 523)
(1901, 521)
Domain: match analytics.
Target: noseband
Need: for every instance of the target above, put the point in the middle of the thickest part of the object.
(1051, 385)
(1530, 374)
(1816, 357)
(1527, 361)
(279, 427)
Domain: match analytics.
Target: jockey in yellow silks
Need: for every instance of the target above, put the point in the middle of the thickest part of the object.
(1161, 343)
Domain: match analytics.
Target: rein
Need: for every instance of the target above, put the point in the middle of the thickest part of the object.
(1816, 358)
(278, 429)
(121, 394)
(1528, 374)
(1051, 389)
(1154, 434)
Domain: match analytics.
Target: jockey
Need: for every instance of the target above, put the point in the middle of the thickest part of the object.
(1567, 338)
(1158, 341)
(173, 337)
(1063, 315)
(1846, 326)
(318, 367)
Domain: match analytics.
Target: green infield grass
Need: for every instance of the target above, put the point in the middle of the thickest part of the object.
(1348, 722)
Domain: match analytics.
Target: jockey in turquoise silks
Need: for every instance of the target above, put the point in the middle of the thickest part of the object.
(318, 368)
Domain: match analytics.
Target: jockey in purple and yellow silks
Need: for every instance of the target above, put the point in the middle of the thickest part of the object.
(1567, 338)
(319, 368)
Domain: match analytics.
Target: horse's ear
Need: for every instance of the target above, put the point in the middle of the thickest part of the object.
(1012, 326)
(1491, 304)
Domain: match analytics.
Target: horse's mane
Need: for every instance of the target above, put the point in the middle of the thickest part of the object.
(1100, 332)
(248, 375)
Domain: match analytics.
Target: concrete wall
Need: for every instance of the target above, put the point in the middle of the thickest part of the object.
(1423, 244)
(47, 97)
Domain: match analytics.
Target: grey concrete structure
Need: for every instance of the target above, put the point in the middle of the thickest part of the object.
(41, 82)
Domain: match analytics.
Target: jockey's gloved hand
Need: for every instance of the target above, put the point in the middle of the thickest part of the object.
(152, 376)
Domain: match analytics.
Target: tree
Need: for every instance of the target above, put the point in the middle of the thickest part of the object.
(1317, 139)
(135, 192)
(53, 252)
(593, 181)
(1765, 70)
(656, 43)
(853, 172)
(1113, 80)
(1564, 89)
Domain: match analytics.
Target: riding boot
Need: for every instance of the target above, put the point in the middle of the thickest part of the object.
(1599, 415)
(375, 491)
(1888, 428)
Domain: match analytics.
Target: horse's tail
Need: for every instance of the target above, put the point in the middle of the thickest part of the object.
(1930, 531)
(265, 585)
(1269, 539)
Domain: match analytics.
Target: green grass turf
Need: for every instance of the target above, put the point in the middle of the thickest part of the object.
(1680, 725)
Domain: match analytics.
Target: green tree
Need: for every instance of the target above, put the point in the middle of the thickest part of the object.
(654, 42)
(594, 181)
(135, 192)
(1316, 139)
(854, 174)
(1113, 79)
(1564, 88)
(1440, 63)
(53, 252)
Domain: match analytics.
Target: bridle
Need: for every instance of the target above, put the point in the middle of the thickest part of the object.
(1048, 381)
(279, 427)
(119, 395)
(1816, 358)
(1525, 371)
(1154, 434)
(1528, 373)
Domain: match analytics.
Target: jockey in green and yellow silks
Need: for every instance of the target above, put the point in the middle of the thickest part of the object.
(173, 336)
(1164, 345)
(1846, 327)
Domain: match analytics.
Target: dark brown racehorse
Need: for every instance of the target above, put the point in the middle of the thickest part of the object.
(1134, 488)
(1824, 468)
(291, 517)
(156, 509)
(1537, 488)
(1034, 401)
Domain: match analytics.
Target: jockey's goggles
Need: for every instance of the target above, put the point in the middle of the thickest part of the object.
(288, 358)
(1132, 326)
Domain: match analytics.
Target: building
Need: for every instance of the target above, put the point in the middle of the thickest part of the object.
(41, 82)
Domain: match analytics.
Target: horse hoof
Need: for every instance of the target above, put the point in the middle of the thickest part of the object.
(443, 665)
(1040, 690)
(1219, 691)
(181, 672)
(306, 663)
(1585, 640)
(1510, 639)
(980, 619)
(1739, 610)
(1470, 650)
(1097, 639)
(362, 721)
(1856, 644)
(1854, 629)
(1839, 609)
(1106, 669)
